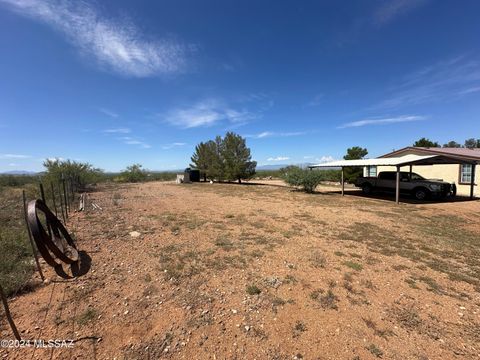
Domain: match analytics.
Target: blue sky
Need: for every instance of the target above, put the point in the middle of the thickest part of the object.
(118, 82)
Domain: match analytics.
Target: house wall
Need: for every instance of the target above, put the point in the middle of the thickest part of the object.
(448, 173)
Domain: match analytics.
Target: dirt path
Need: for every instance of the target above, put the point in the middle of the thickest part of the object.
(229, 271)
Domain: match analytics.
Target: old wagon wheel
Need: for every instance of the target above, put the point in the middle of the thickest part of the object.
(60, 243)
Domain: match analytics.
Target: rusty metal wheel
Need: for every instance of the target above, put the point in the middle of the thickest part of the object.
(50, 235)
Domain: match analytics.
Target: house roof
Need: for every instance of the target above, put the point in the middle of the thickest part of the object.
(465, 153)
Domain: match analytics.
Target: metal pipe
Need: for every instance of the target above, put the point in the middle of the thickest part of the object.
(472, 181)
(397, 186)
(343, 182)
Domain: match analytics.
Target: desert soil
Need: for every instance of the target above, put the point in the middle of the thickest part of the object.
(226, 271)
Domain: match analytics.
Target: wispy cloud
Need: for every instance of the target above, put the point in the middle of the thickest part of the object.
(391, 9)
(57, 158)
(278, 158)
(445, 80)
(383, 121)
(173, 145)
(14, 156)
(117, 131)
(109, 112)
(317, 100)
(117, 45)
(134, 141)
(325, 159)
(207, 113)
(267, 134)
(470, 90)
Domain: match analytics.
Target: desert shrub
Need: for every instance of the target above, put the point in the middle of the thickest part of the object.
(17, 180)
(78, 172)
(162, 176)
(308, 180)
(134, 173)
(293, 175)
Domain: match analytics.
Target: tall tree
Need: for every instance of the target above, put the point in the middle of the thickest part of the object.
(452, 144)
(472, 143)
(237, 159)
(354, 153)
(208, 159)
(200, 158)
(424, 142)
(224, 159)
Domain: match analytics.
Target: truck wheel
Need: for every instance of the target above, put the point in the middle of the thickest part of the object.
(420, 193)
(367, 188)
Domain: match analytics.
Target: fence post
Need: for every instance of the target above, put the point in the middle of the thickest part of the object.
(65, 198)
(61, 203)
(8, 315)
(42, 194)
(30, 236)
(53, 199)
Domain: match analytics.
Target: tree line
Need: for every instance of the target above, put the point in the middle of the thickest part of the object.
(471, 143)
(224, 159)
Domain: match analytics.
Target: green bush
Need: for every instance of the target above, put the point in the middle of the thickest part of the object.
(306, 179)
(134, 173)
(80, 173)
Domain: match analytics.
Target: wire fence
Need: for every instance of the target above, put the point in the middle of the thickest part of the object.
(62, 197)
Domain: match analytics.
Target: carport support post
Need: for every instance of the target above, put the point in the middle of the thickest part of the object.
(397, 186)
(343, 182)
(472, 182)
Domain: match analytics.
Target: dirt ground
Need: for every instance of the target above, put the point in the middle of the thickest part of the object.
(225, 271)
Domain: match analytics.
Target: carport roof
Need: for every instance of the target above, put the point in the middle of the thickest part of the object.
(410, 159)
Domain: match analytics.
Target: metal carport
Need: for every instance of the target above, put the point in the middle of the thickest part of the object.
(398, 162)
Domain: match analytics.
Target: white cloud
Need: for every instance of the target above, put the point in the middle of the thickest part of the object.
(172, 145)
(470, 90)
(391, 9)
(133, 141)
(278, 158)
(266, 134)
(384, 121)
(317, 99)
(55, 159)
(14, 156)
(115, 44)
(13, 165)
(443, 81)
(325, 159)
(207, 113)
(109, 112)
(118, 131)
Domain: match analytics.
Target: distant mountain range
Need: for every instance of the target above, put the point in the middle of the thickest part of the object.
(279, 166)
(18, 172)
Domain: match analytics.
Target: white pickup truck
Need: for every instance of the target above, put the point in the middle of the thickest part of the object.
(410, 184)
